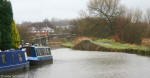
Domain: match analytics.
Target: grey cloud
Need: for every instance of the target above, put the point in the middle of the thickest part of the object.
(36, 10)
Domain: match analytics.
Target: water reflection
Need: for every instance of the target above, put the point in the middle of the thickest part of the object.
(84, 64)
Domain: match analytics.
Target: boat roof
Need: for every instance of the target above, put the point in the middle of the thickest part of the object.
(9, 51)
(37, 46)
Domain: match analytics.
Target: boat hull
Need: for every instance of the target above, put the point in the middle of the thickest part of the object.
(40, 60)
(13, 60)
(14, 68)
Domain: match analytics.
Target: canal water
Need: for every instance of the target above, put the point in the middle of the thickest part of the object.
(91, 64)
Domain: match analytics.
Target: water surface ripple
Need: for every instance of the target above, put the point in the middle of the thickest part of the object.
(91, 64)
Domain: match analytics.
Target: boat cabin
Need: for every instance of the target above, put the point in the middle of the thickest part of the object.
(37, 51)
(11, 60)
(35, 55)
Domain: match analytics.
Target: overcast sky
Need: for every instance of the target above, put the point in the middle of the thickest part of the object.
(37, 10)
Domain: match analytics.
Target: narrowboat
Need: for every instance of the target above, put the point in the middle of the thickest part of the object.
(38, 55)
(12, 61)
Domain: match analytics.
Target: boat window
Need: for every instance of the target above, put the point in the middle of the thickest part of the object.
(13, 58)
(29, 51)
(38, 51)
(20, 57)
(4, 59)
(41, 51)
(49, 51)
(45, 51)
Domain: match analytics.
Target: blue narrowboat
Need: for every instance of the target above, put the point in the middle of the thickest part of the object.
(12, 61)
(38, 55)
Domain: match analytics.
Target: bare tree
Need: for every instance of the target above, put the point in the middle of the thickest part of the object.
(137, 16)
(147, 16)
(106, 9)
(25, 33)
(84, 14)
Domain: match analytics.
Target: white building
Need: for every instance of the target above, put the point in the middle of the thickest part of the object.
(42, 30)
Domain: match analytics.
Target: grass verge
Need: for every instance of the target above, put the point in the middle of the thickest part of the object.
(116, 45)
(68, 44)
(107, 45)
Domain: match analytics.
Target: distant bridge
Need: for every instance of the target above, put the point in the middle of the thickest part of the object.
(45, 39)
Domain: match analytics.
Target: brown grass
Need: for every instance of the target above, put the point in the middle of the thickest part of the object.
(57, 39)
(79, 39)
(146, 42)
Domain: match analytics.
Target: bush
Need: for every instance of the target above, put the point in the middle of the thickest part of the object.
(15, 36)
(129, 32)
(6, 18)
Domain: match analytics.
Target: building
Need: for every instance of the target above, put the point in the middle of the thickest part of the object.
(42, 31)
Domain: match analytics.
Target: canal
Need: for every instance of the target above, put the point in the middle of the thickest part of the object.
(91, 64)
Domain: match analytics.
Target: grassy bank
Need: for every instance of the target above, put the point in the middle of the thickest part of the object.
(68, 44)
(109, 46)
(119, 46)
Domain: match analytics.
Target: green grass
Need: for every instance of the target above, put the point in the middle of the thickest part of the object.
(112, 45)
(105, 41)
(117, 45)
(68, 44)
